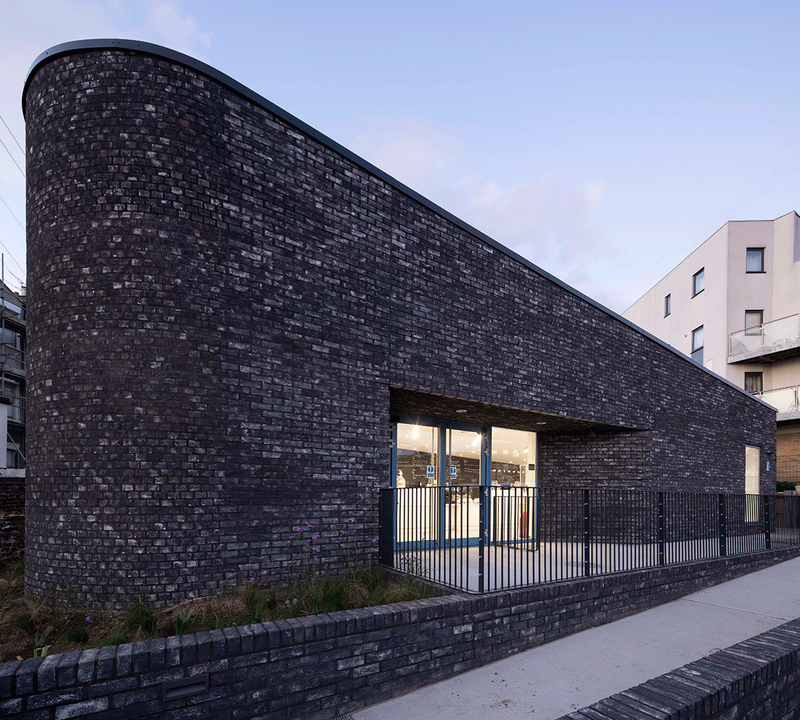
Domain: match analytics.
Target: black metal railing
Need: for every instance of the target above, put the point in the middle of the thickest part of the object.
(482, 539)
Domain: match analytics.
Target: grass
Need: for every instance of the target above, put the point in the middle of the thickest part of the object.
(29, 628)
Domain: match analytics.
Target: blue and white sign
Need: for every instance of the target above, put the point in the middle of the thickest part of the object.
(452, 473)
(430, 471)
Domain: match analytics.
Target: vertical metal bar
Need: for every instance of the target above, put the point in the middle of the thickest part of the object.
(386, 528)
(482, 529)
(767, 524)
(723, 528)
(587, 570)
(662, 531)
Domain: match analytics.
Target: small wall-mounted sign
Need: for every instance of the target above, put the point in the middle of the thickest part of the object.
(452, 473)
(430, 471)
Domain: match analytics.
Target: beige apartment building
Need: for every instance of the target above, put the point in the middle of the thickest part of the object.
(733, 305)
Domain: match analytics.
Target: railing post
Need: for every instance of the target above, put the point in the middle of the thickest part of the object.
(483, 530)
(723, 528)
(662, 531)
(767, 524)
(587, 529)
(386, 532)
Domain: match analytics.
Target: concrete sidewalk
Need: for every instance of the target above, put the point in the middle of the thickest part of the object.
(568, 674)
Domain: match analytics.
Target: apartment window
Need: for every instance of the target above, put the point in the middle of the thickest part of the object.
(698, 282)
(753, 320)
(697, 345)
(667, 305)
(754, 382)
(755, 260)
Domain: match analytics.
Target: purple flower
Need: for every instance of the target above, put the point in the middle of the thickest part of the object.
(88, 618)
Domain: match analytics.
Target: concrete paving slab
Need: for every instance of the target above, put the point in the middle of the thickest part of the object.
(573, 672)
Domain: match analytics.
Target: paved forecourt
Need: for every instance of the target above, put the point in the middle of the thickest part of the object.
(568, 674)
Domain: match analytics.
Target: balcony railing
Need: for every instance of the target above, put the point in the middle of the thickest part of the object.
(16, 407)
(785, 400)
(483, 539)
(777, 336)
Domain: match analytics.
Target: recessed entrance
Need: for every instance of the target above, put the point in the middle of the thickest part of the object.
(445, 464)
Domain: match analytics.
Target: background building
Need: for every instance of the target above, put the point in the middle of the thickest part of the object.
(239, 328)
(734, 306)
(12, 421)
(12, 376)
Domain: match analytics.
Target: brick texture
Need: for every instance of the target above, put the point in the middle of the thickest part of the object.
(225, 310)
(319, 667)
(758, 679)
(788, 453)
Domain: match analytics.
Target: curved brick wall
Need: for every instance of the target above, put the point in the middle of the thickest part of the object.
(224, 308)
(165, 328)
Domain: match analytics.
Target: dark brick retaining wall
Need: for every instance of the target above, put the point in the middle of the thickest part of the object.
(12, 519)
(319, 667)
(225, 308)
(12, 494)
(758, 679)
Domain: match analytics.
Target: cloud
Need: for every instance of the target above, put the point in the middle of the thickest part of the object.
(546, 221)
(411, 151)
(178, 30)
(544, 214)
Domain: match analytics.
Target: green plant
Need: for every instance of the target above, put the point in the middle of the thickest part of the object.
(140, 619)
(182, 620)
(39, 640)
(256, 601)
(222, 612)
(75, 633)
(327, 594)
(414, 565)
(25, 623)
(117, 637)
(290, 609)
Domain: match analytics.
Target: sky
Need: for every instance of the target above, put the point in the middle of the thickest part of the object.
(603, 141)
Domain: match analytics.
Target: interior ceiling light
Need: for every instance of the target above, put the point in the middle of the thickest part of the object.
(461, 411)
(416, 431)
(541, 422)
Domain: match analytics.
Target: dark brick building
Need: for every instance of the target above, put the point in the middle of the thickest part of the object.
(236, 326)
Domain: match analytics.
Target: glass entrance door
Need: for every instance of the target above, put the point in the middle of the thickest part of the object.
(514, 477)
(440, 467)
(417, 472)
(465, 471)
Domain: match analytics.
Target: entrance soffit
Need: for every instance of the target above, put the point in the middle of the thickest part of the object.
(413, 402)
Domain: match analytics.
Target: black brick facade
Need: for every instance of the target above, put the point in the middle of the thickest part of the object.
(225, 308)
(316, 668)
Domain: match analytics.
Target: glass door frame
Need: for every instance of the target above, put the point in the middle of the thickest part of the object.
(443, 460)
(483, 429)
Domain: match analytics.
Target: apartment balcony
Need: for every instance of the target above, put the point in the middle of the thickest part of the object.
(770, 342)
(785, 400)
